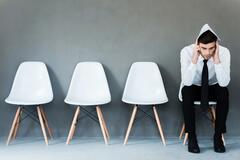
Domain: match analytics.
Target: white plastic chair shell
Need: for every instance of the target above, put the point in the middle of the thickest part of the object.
(144, 85)
(88, 86)
(31, 85)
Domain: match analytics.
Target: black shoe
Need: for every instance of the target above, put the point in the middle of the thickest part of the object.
(193, 145)
(218, 143)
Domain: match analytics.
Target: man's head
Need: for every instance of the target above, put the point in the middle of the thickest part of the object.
(207, 44)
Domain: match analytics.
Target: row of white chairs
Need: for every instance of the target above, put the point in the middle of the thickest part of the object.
(88, 89)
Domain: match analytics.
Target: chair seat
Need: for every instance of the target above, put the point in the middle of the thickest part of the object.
(87, 103)
(10, 100)
(199, 102)
(209, 103)
(141, 102)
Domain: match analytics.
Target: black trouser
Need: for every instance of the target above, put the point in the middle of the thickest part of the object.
(216, 93)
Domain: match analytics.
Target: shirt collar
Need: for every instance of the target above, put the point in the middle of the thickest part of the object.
(200, 58)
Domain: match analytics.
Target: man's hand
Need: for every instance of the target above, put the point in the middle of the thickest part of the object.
(216, 59)
(196, 53)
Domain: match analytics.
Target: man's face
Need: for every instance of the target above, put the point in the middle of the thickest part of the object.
(207, 50)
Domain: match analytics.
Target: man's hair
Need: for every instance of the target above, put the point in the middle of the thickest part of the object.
(207, 37)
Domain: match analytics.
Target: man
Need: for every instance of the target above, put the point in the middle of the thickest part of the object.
(205, 74)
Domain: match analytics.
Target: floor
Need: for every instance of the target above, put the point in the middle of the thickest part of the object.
(94, 148)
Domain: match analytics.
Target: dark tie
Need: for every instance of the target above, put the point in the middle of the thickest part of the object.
(204, 89)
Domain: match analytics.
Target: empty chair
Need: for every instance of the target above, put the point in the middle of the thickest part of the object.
(144, 86)
(31, 87)
(88, 89)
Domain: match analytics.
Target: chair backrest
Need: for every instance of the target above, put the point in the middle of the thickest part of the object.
(31, 85)
(89, 85)
(144, 85)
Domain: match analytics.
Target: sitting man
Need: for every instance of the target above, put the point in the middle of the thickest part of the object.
(205, 74)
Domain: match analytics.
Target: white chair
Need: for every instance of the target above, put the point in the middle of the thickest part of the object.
(212, 112)
(31, 87)
(88, 88)
(144, 86)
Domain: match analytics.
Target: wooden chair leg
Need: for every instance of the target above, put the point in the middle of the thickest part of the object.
(104, 124)
(130, 124)
(13, 125)
(46, 123)
(223, 140)
(159, 125)
(42, 124)
(213, 113)
(182, 131)
(185, 139)
(73, 125)
(17, 125)
(101, 124)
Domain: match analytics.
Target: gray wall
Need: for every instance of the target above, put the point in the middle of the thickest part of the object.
(116, 33)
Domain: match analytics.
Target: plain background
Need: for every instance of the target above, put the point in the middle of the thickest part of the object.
(116, 33)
